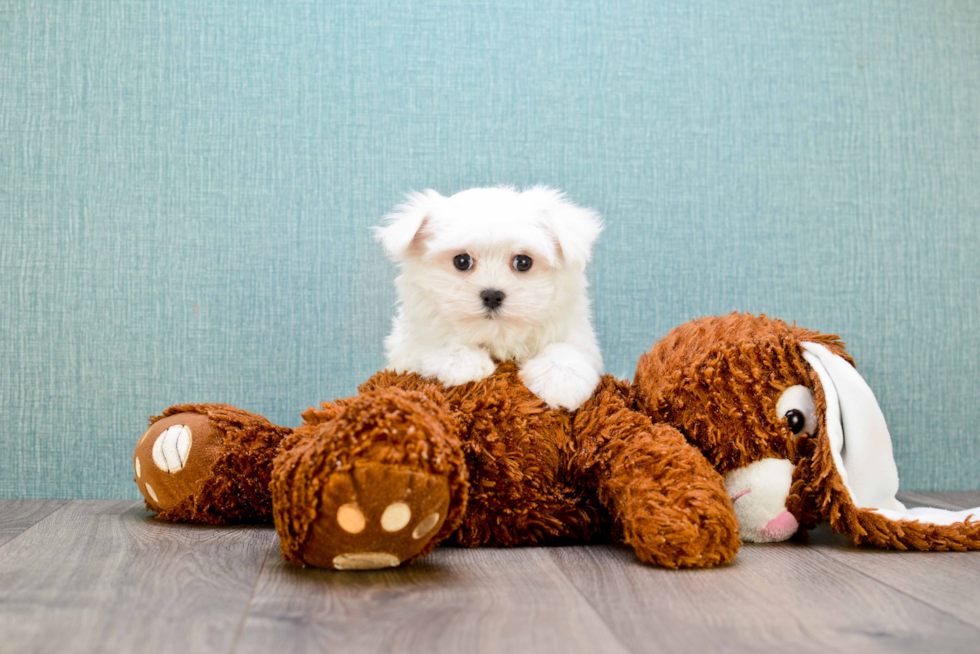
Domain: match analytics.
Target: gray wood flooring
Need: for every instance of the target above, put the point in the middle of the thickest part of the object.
(103, 576)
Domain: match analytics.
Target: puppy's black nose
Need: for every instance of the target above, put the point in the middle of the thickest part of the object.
(492, 298)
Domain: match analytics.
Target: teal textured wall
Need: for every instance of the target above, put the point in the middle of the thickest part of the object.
(186, 187)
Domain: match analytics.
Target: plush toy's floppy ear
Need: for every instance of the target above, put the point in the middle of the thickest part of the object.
(859, 468)
(575, 228)
(400, 228)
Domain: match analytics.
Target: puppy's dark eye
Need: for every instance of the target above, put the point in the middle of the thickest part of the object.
(463, 261)
(522, 263)
(796, 420)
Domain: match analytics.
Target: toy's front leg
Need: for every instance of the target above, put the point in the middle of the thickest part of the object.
(669, 502)
(376, 485)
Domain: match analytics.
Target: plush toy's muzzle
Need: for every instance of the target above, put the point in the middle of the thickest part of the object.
(758, 492)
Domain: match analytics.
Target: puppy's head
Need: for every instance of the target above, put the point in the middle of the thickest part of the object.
(489, 258)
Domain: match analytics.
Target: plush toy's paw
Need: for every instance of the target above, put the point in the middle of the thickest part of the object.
(758, 492)
(173, 457)
(455, 366)
(375, 516)
(208, 463)
(378, 485)
(561, 376)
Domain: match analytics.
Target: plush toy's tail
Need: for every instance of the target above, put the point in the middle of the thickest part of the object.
(855, 479)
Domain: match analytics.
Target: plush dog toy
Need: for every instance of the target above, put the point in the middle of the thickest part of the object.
(379, 479)
(782, 413)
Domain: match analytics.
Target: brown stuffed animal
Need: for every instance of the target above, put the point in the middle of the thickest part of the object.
(783, 414)
(492, 454)
(379, 479)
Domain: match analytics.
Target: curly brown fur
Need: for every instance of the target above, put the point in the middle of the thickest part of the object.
(717, 379)
(237, 487)
(518, 471)
(392, 427)
(517, 452)
(670, 504)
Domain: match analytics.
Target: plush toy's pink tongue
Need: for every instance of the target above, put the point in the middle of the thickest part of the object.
(860, 443)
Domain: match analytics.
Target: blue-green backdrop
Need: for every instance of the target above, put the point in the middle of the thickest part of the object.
(186, 190)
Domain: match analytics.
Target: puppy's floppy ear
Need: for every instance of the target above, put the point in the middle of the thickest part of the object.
(400, 228)
(575, 228)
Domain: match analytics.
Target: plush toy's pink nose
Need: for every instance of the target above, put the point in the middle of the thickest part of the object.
(781, 527)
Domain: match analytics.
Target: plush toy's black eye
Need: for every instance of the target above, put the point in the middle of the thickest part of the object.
(522, 263)
(796, 420)
(463, 261)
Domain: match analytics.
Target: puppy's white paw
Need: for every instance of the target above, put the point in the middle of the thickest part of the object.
(561, 376)
(455, 366)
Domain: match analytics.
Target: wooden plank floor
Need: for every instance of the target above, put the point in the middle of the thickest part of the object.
(102, 576)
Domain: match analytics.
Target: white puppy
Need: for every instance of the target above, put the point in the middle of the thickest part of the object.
(494, 274)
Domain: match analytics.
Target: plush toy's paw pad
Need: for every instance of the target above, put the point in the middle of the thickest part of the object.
(375, 516)
(365, 561)
(172, 456)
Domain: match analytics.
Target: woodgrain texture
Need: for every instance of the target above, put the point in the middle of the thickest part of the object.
(774, 598)
(457, 600)
(101, 576)
(19, 515)
(950, 583)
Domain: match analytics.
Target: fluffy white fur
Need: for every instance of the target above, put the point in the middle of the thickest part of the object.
(443, 330)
